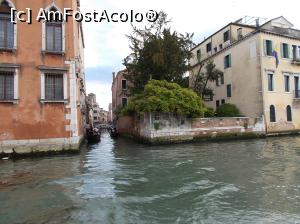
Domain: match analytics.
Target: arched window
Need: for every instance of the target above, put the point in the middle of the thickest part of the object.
(7, 28)
(54, 33)
(272, 114)
(288, 113)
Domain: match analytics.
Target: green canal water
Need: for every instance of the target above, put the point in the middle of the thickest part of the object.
(119, 181)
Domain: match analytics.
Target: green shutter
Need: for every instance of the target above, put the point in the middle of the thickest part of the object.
(229, 62)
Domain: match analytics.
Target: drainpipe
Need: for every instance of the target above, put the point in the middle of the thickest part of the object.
(260, 47)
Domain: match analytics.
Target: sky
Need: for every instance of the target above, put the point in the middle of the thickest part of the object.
(106, 44)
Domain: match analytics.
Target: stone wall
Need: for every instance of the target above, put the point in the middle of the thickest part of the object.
(166, 128)
(17, 148)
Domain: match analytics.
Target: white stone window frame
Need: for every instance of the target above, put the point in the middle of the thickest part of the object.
(15, 70)
(43, 89)
(44, 48)
(12, 5)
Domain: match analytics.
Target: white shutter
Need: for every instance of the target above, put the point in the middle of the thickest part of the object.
(281, 50)
(42, 86)
(43, 36)
(63, 37)
(65, 86)
(265, 47)
(16, 84)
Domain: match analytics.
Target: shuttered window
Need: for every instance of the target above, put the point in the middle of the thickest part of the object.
(6, 85)
(54, 87)
(227, 61)
(6, 31)
(54, 36)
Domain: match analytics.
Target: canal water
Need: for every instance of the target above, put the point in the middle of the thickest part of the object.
(119, 181)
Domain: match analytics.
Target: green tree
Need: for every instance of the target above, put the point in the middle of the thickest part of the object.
(158, 53)
(211, 74)
(165, 97)
(228, 110)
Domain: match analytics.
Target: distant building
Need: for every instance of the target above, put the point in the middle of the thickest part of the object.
(120, 92)
(109, 114)
(261, 65)
(42, 82)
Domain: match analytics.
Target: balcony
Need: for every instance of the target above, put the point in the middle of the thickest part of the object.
(297, 95)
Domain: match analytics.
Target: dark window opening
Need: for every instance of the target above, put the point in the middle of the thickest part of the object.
(54, 35)
(6, 27)
(124, 84)
(54, 87)
(217, 103)
(223, 101)
(216, 49)
(226, 36)
(272, 114)
(6, 85)
(228, 88)
(199, 54)
(287, 83)
(289, 113)
(227, 61)
(124, 102)
(221, 46)
(285, 50)
(269, 47)
(270, 82)
(208, 47)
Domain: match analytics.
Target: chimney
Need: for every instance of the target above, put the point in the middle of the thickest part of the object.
(257, 22)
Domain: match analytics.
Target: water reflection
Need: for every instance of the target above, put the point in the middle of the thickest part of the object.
(250, 181)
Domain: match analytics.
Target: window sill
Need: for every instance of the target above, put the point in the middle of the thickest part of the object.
(15, 101)
(54, 101)
(12, 50)
(53, 52)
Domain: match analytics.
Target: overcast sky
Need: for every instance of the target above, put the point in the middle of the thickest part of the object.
(107, 46)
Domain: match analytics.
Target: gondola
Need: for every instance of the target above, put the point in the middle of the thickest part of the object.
(93, 135)
(113, 133)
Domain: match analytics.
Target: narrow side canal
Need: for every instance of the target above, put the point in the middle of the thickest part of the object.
(119, 181)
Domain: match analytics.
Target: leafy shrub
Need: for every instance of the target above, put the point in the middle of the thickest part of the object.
(228, 110)
(209, 112)
(166, 97)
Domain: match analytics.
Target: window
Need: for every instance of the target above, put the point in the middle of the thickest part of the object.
(124, 102)
(199, 54)
(288, 113)
(223, 101)
(240, 33)
(287, 83)
(222, 79)
(124, 84)
(54, 87)
(217, 82)
(272, 114)
(156, 116)
(54, 35)
(268, 45)
(295, 53)
(217, 103)
(228, 88)
(6, 27)
(226, 36)
(296, 86)
(216, 49)
(270, 82)
(227, 61)
(208, 47)
(6, 85)
(221, 46)
(285, 50)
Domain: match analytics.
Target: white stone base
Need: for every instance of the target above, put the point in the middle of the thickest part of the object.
(40, 145)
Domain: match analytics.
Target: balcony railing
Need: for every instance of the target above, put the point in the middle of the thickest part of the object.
(296, 61)
(297, 94)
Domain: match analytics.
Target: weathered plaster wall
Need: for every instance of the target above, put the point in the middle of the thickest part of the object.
(168, 128)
